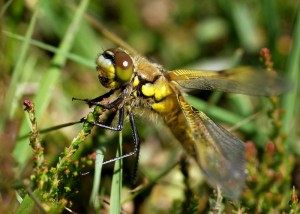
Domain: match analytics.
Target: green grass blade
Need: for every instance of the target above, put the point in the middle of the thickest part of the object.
(22, 150)
(94, 200)
(4, 8)
(17, 72)
(52, 49)
(291, 99)
(245, 26)
(271, 21)
(115, 197)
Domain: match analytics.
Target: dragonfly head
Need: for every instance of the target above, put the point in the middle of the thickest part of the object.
(115, 67)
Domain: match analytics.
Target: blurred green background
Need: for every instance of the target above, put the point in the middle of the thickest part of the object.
(48, 52)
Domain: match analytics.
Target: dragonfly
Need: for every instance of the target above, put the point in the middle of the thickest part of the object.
(139, 84)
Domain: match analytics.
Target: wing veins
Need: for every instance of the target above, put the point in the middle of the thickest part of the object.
(219, 154)
(242, 80)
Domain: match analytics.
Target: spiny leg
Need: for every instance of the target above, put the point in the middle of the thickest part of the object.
(136, 147)
(119, 126)
(136, 142)
(95, 101)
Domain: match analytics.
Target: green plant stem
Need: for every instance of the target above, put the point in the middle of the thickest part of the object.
(64, 161)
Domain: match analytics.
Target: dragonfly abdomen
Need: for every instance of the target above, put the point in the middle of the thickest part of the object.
(178, 125)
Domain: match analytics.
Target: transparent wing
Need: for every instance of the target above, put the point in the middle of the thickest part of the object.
(242, 80)
(219, 154)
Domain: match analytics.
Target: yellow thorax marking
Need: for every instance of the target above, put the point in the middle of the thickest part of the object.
(164, 106)
(160, 89)
(136, 81)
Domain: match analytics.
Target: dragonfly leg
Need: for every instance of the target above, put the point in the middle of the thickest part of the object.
(136, 142)
(95, 101)
(114, 103)
(119, 126)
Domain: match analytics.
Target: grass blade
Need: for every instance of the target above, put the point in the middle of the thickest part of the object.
(52, 49)
(22, 150)
(17, 72)
(291, 100)
(115, 197)
(94, 200)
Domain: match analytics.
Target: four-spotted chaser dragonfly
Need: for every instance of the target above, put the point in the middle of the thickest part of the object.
(138, 83)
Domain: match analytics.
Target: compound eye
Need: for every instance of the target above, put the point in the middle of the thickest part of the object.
(123, 66)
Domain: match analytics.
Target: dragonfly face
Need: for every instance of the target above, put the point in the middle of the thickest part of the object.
(115, 68)
(143, 84)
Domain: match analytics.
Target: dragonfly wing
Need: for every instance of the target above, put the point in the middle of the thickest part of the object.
(219, 153)
(242, 80)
